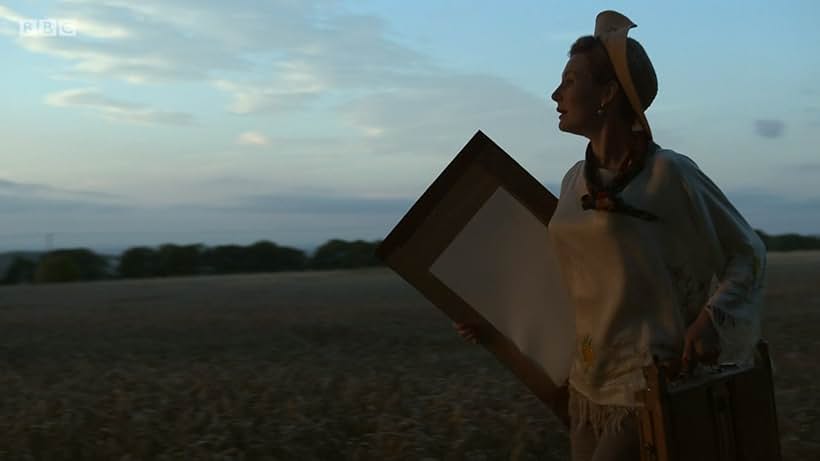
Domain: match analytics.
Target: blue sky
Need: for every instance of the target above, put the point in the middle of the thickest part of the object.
(299, 121)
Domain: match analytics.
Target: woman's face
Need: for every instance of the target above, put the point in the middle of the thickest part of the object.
(579, 97)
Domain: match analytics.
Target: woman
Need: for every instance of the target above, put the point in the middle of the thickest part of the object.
(657, 263)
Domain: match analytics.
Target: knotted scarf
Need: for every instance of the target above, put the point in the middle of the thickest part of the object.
(607, 198)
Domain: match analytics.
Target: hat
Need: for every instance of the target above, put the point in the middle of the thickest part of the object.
(611, 28)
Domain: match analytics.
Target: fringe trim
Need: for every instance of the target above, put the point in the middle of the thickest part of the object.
(603, 419)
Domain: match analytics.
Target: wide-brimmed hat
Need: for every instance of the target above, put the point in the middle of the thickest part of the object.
(611, 29)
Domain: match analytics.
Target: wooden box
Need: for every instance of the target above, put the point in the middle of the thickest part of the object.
(726, 415)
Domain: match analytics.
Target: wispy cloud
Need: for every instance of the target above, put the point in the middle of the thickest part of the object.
(806, 167)
(9, 15)
(771, 128)
(86, 26)
(9, 22)
(175, 40)
(253, 138)
(92, 99)
(9, 187)
(37, 205)
(775, 213)
(388, 106)
(134, 43)
(261, 97)
(324, 205)
(277, 58)
(346, 53)
(32, 198)
(440, 112)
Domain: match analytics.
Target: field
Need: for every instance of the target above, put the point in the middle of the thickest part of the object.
(298, 366)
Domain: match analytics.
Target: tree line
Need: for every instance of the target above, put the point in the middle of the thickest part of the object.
(789, 242)
(78, 264)
(68, 265)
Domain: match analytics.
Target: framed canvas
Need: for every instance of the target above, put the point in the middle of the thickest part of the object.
(475, 244)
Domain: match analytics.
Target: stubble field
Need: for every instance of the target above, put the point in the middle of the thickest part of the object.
(341, 365)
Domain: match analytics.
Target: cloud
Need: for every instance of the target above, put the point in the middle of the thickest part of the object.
(401, 138)
(10, 15)
(297, 51)
(137, 44)
(806, 167)
(253, 138)
(774, 213)
(9, 22)
(288, 220)
(94, 29)
(85, 26)
(440, 113)
(155, 41)
(53, 206)
(261, 97)
(31, 199)
(305, 204)
(347, 53)
(92, 99)
(9, 187)
(31, 210)
(769, 128)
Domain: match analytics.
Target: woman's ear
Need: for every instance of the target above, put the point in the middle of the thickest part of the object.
(609, 93)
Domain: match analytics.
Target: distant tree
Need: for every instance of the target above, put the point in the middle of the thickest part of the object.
(789, 242)
(341, 254)
(178, 259)
(794, 242)
(71, 265)
(21, 270)
(265, 256)
(139, 262)
(290, 259)
(223, 259)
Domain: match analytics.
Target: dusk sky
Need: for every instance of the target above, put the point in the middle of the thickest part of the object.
(198, 121)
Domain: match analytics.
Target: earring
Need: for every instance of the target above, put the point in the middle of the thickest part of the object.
(600, 110)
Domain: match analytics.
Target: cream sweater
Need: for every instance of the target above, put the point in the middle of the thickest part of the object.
(636, 285)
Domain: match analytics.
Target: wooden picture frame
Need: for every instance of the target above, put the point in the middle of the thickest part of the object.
(476, 245)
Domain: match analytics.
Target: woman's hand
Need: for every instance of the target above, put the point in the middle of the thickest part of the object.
(701, 343)
(474, 332)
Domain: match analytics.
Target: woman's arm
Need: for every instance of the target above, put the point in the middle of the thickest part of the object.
(737, 256)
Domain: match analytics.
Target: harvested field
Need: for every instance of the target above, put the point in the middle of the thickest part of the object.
(298, 366)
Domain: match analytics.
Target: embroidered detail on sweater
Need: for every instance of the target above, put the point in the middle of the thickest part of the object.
(587, 352)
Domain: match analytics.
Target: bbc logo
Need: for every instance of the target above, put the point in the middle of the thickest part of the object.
(47, 28)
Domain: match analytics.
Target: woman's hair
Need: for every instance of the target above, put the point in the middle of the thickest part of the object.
(640, 67)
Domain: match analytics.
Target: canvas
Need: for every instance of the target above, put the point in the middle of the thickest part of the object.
(475, 244)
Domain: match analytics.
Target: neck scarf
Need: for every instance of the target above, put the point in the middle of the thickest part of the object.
(607, 198)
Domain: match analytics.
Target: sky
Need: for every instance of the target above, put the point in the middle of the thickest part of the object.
(298, 121)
